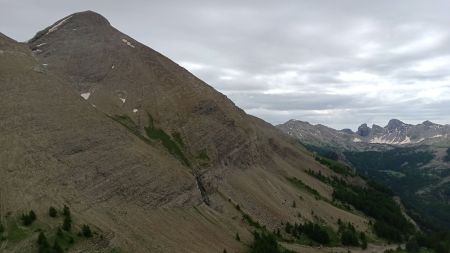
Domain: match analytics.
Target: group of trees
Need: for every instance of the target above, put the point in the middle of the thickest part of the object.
(390, 222)
(313, 231)
(264, 243)
(351, 237)
(45, 247)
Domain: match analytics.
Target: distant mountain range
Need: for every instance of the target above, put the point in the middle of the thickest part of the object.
(395, 132)
(412, 160)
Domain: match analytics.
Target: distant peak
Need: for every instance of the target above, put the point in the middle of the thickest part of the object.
(394, 123)
(428, 123)
(364, 130)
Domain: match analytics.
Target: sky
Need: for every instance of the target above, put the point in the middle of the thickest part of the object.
(335, 62)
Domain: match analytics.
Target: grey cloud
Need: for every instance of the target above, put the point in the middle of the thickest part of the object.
(338, 63)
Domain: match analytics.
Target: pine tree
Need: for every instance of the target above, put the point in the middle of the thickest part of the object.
(2, 229)
(32, 216)
(67, 224)
(57, 248)
(237, 237)
(86, 231)
(59, 232)
(294, 205)
(66, 211)
(52, 212)
(43, 243)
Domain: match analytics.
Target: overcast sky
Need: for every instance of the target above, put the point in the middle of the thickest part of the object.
(335, 62)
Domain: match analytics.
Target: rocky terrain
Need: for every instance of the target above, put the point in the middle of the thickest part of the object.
(153, 159)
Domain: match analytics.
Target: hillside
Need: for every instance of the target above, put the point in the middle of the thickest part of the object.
(154, 159)
(412, 160)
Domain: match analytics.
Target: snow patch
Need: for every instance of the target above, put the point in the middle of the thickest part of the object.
(55, 27)
(85, 95)
(128, 43)
(436, 136)
(112, 67)
(45, 64)
(40, 45)
(123, 100)
(357, 140)
(135, 110)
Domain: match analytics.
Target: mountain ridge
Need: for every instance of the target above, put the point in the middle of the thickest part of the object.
(395, 132)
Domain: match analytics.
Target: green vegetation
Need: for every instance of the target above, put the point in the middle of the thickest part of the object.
(86, 231)
(302, 186)
(390, 222)
(28, 219)
(127, 122)
(264, 243)
(177, 137)
(203, 155)
(336, 166)
(350, 237)
(447, 157)
(313, 231)
(51, 238)
(250, 221)
(52, 212)
(67, 223)
(171, 146)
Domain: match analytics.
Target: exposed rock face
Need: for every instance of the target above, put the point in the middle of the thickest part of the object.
(363, 130)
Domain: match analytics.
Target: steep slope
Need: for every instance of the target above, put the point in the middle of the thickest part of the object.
(154, 159)
(124, 77)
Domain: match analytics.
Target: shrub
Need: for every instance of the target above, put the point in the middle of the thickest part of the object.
(52, 212)
(66, 211)
(67, 223)
(28, 219)
(57, 248)
(86, 231)
(43, 243)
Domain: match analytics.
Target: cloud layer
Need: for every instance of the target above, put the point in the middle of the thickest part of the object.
(338, 63)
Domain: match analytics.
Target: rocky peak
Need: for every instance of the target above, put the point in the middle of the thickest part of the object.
(364, 130)
(347, 131)
(85, 19)
(394, 124)
(428, 123)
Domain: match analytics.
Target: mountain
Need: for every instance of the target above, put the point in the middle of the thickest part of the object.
(152, 159)
(394, 133)
(412, 160)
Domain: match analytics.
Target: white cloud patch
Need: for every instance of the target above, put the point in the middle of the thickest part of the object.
(338, 63)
